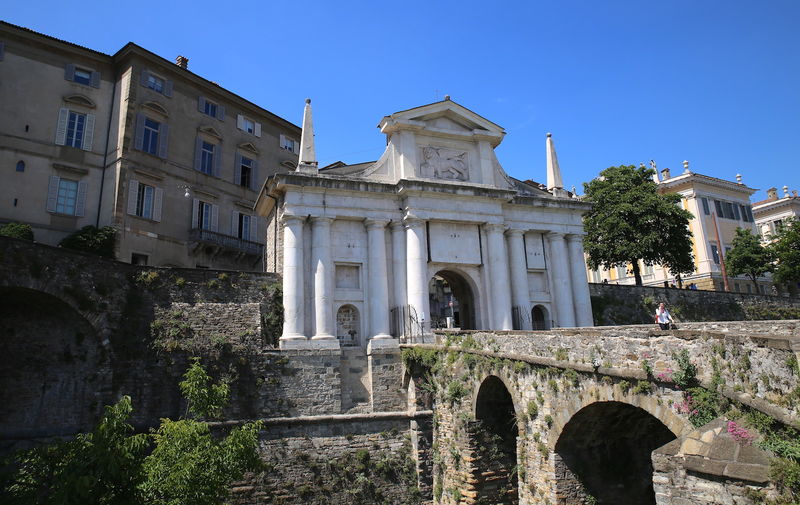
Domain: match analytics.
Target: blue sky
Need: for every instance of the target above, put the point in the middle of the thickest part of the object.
(713, 82)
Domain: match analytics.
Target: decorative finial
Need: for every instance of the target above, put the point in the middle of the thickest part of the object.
(685, 166)
(738, 178)
(308, 100)
(447, 97)
(549, 134)
(786, 191)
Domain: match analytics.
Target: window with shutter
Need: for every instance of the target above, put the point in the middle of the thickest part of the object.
(163, 140)
(76, 128)
(67, 197)
(61, 128)
(88, 133)
(150, 129)
(706, 210)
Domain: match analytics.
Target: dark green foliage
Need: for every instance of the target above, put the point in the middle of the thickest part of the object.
(205, 398)
(630, 221)
(786, 251)
(111, 466)
(90, 239)
(686, 374)
(748, 257)
(17, 230)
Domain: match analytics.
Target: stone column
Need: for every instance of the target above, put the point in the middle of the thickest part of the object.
(322, 266)
(417, 270)
(580, 286)
(399, 263)
(498, 270)
(561, 289)
(293, 302)
(520, 293)
(378, 279)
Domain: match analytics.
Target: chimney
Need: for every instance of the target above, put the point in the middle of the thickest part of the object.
(665, 174)
(182, 61)
(772, 193)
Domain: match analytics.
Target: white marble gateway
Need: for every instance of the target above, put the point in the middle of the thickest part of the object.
(433, 233)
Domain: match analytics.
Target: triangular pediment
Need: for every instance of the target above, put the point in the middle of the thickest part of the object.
(210, 130)
(247, 146)
(448, 114)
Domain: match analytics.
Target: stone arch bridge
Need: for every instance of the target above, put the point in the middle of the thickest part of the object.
(600, 415)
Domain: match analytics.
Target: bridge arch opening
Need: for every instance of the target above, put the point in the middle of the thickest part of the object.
(604, 452)
(451, 296)
(540, 318)
(494, 438)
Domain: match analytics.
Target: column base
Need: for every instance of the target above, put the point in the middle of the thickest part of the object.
(323, 336)
(309, 344)
(383, 344)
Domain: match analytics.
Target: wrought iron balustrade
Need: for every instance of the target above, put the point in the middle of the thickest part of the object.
(226, 241)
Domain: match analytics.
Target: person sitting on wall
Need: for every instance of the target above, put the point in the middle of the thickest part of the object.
(663, 317)
(693, 286)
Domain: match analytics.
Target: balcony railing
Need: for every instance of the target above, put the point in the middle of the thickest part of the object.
(227, 241)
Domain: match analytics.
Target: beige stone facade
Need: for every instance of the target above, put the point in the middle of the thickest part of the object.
(773, 212)
(719, 207)
(170, 159)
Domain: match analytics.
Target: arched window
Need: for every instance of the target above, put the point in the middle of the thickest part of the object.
(348, 325)
(20, 166)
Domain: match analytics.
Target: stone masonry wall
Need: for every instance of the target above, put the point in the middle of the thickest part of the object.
(618, 305)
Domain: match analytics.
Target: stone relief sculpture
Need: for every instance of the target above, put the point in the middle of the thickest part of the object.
(443, 163)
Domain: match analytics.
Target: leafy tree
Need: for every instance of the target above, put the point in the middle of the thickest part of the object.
(17, 230)
(786, 251)
(111, 465)
(748, 257)
(99, 241)
(630, 221)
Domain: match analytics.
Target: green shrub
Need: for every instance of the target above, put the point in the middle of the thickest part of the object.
(90, 239)
(17, 230)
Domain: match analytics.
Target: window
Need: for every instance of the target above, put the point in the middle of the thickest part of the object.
(75, 129)
(289, 144)
(150, 143)
(65, 196)
(248, 125)
(138, 259)
(144, 201)
(207, 158)
(245, 171)
(20, 166)
(76, 125)
(82, 75)
(715, 253)
(210, 108)
(204, 216)
(244, 227)
(156, 83)
(706, 211)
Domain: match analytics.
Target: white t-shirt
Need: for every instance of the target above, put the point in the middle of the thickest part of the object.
(662, 316)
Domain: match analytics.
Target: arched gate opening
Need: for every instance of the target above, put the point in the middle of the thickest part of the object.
(494, 438)
(604, 452)
(451, 296)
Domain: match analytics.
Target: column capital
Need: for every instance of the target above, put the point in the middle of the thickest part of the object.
(290, 218)
(575, 237)
(375, 223)
(494, 227)
(514, 231)
(321, 220)
(396, 225)
(413, 222)
(555, 235)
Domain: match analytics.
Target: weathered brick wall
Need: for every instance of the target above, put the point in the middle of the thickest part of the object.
(617, 305)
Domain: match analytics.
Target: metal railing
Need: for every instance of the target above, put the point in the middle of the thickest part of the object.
(405, 325)
(227, 241)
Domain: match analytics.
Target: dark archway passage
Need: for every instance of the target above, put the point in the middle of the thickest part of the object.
(540, 319)
(493, 437)
(604, 451)
(451, 296)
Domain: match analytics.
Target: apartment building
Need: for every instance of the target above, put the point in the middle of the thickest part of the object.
(171, 160)
(719, 207)
(771, 214)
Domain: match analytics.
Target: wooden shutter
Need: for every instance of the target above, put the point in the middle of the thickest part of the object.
(163, 140)
(158, 200)
(61, 127)
(138, 143)
(237, 170)
(80, 203)
(167, 88)
(69, 72)
(198, 145)
(201, 104)
(235, 224)
(88, 132)
(195, 213)
(145, 75)
(133, 196)
(240, 121)
(95, 79)
(258, 130)
(254, 182)
(52, 193)
(215, 159)
(214, 217)
(253, 232)
(221, 112)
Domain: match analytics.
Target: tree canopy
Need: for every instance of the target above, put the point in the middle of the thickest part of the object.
(179, 463)
(786, 250)
(748, 257)
(630, 221)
